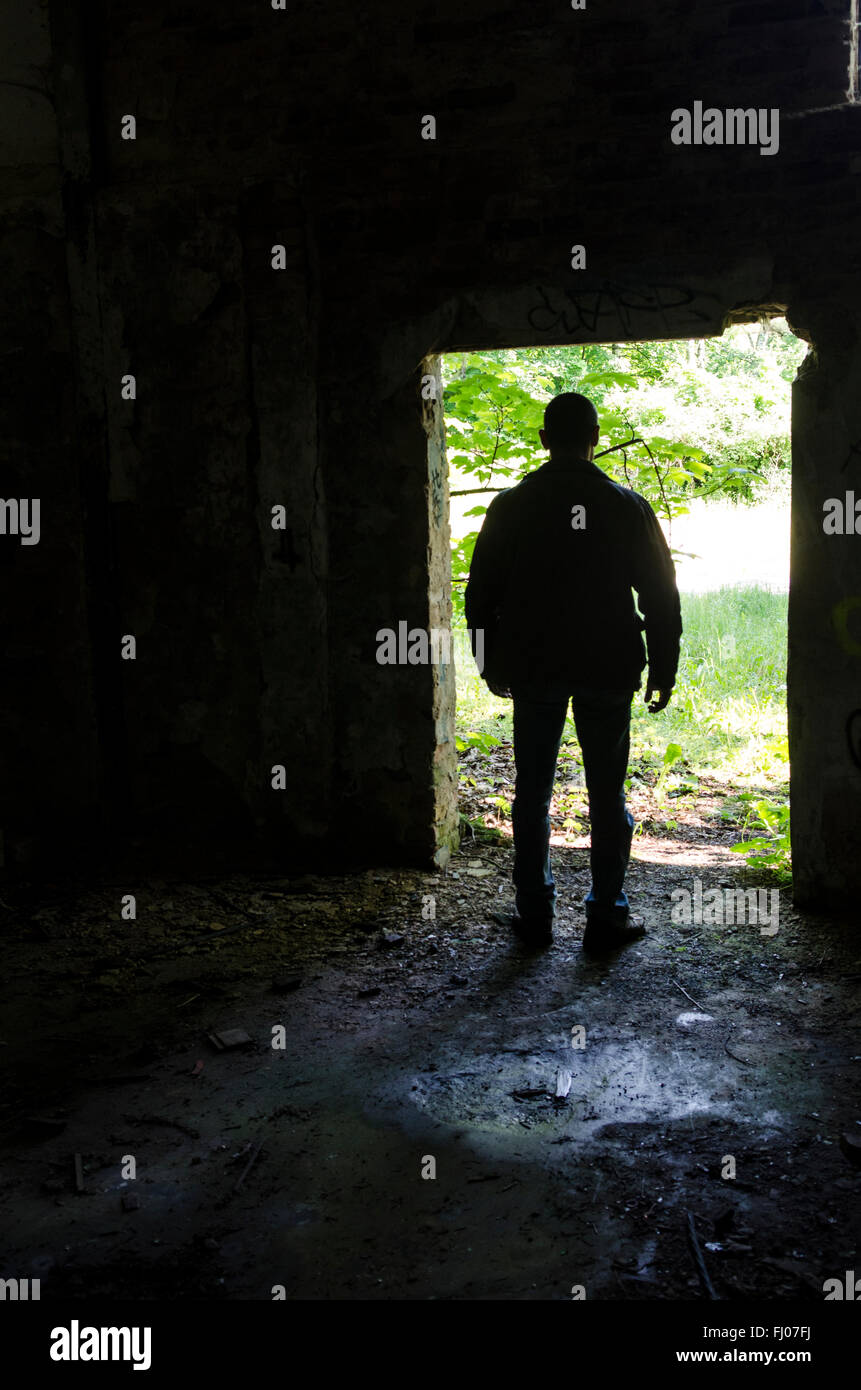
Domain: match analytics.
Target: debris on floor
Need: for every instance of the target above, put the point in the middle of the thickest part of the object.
(715, 1077)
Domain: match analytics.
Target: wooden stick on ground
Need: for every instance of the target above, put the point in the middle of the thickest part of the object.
(685, 993)
(255, 1154)
(694, 1246)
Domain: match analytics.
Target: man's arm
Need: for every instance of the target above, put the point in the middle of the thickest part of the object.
(654, 579)
(488, 575)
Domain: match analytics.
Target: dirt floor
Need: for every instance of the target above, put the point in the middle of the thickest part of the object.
(410, 1038)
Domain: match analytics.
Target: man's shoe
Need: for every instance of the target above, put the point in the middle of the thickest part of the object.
(533, 931)
(600, 938)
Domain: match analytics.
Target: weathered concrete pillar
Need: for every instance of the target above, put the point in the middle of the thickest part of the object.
(439, 612)
(824, 680)
(387, 490)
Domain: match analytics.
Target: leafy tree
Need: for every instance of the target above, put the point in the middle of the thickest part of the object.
(678, 419)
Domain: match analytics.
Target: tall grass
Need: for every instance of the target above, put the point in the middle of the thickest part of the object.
(728, 711)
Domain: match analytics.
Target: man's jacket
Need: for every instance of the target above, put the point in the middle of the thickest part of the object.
(554, 599)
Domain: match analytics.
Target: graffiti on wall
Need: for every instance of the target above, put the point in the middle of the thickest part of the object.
(853, 450)
(633, 310)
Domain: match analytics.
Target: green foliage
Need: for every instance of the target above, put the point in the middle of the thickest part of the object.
(728, 710)
(672, 755)
(669, 783)
(461, 559)
(773, 850)
(477, 830)
(571, 805)
(476, 740)
(712, 416)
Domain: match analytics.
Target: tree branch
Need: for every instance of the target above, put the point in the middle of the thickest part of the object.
(468, 491)
(612, 450)
(635, 439)
(500, 416)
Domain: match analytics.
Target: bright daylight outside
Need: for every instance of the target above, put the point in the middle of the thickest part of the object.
(704, 427)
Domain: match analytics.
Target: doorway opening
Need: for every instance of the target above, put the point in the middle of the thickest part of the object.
(701, 428)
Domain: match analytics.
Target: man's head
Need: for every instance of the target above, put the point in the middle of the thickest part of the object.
(570, 425)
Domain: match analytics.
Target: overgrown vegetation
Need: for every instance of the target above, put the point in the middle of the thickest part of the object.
(728, 711)
(710, 419)
(705, 418)
(725, 727)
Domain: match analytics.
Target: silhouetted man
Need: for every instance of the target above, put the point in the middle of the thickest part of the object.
(550, 584)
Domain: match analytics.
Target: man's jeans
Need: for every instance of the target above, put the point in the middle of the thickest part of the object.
(602, 719)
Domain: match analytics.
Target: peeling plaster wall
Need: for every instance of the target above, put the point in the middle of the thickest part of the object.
(302, 386)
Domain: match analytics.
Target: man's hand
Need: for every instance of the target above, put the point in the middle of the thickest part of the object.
(498, 691)
(661, 698)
